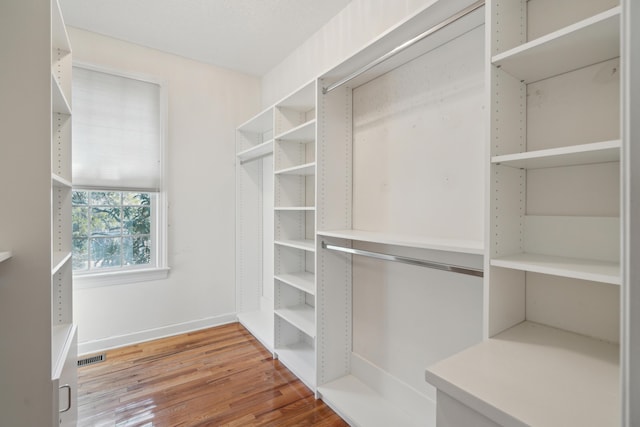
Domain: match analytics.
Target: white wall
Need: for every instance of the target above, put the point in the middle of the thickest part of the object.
(358, 24)
(206, 103)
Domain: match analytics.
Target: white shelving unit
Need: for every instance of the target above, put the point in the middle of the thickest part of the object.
(294, 228)
(254, 229)
(378, 191)
(64, 334)
(553, 269)
(39, 352)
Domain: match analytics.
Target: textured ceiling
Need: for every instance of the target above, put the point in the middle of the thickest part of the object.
(251, 36)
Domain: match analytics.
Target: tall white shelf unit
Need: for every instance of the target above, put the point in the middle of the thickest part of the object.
(39, 337)
(254, 226)
(554, 230)
(294, 232)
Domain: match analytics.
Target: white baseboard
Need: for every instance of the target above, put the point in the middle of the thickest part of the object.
(100, 345)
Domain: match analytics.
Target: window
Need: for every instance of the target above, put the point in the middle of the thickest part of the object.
(111, 229)
(118, 209)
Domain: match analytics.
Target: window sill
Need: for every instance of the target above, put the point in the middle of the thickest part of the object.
(96, 280)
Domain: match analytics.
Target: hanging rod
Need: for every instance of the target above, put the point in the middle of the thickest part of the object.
(464, 12)
(406, 260)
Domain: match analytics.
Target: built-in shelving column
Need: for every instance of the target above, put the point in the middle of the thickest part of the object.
(294, 228)
(553, 332)
(63, 334)
(254, 226)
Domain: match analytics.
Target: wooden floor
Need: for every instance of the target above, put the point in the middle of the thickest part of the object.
(216, 377)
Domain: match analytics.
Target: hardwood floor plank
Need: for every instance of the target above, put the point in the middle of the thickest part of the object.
(214, 377)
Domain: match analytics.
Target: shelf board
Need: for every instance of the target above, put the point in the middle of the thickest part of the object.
(59, 102)
(58, 181)
(58, 260)
(360, 405)
(59, 37)
(587, 42)
(303, 99)
(260, 324)
(306, 132)
(299, 358)
(61, 339)
(304, 281)
(5, 255)
(301, 316)
(256, 152)
(306, 169)
(260, 123)
(597, 152)
(597, 271)
(295, 208)
(306, 245)
(409, 241)
(535, 375)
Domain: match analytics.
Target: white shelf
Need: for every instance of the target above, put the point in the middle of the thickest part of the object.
(538, 375)
(61, 339)
(587, 42)
(303, 99)
(306, 132)
(256, 152)
(295, 208)
(58, 181)
(301, 316)
(597, 152)
(361, 406)
(306, 169)
(304, 281)
(59, 259)
(260, 324)
(300, 359)
(597, 271)
(5, 255)
(306, 245)
(261, 123)
(410, 241)
(59, 103)
(59, 37)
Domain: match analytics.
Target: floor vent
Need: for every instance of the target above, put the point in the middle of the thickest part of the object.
(92, 359)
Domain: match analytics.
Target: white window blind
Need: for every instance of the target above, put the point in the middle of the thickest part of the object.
(116, 132)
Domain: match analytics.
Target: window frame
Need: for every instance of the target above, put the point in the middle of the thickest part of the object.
(95, 278)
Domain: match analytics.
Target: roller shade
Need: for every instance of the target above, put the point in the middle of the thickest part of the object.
(116, 132)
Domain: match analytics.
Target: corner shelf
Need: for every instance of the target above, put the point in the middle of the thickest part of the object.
(260, 123)
(532, 374)
(306, 245)
(301, 316)
(58, 181)
(409, 241)
(303, 281)
(256, 152)
(306, 132)
(360, 405)
(575, 155)
(5, 255)
(300, 359)
(59, 102)
(59, 259)
(597, 271)
(302, 170)
(589, 41)
(260, 324)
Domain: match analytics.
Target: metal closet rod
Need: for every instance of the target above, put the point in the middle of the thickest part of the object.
(406, 260)
(405, 45)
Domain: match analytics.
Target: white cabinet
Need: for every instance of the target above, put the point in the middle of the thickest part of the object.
(38, 366)
(555, 224)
